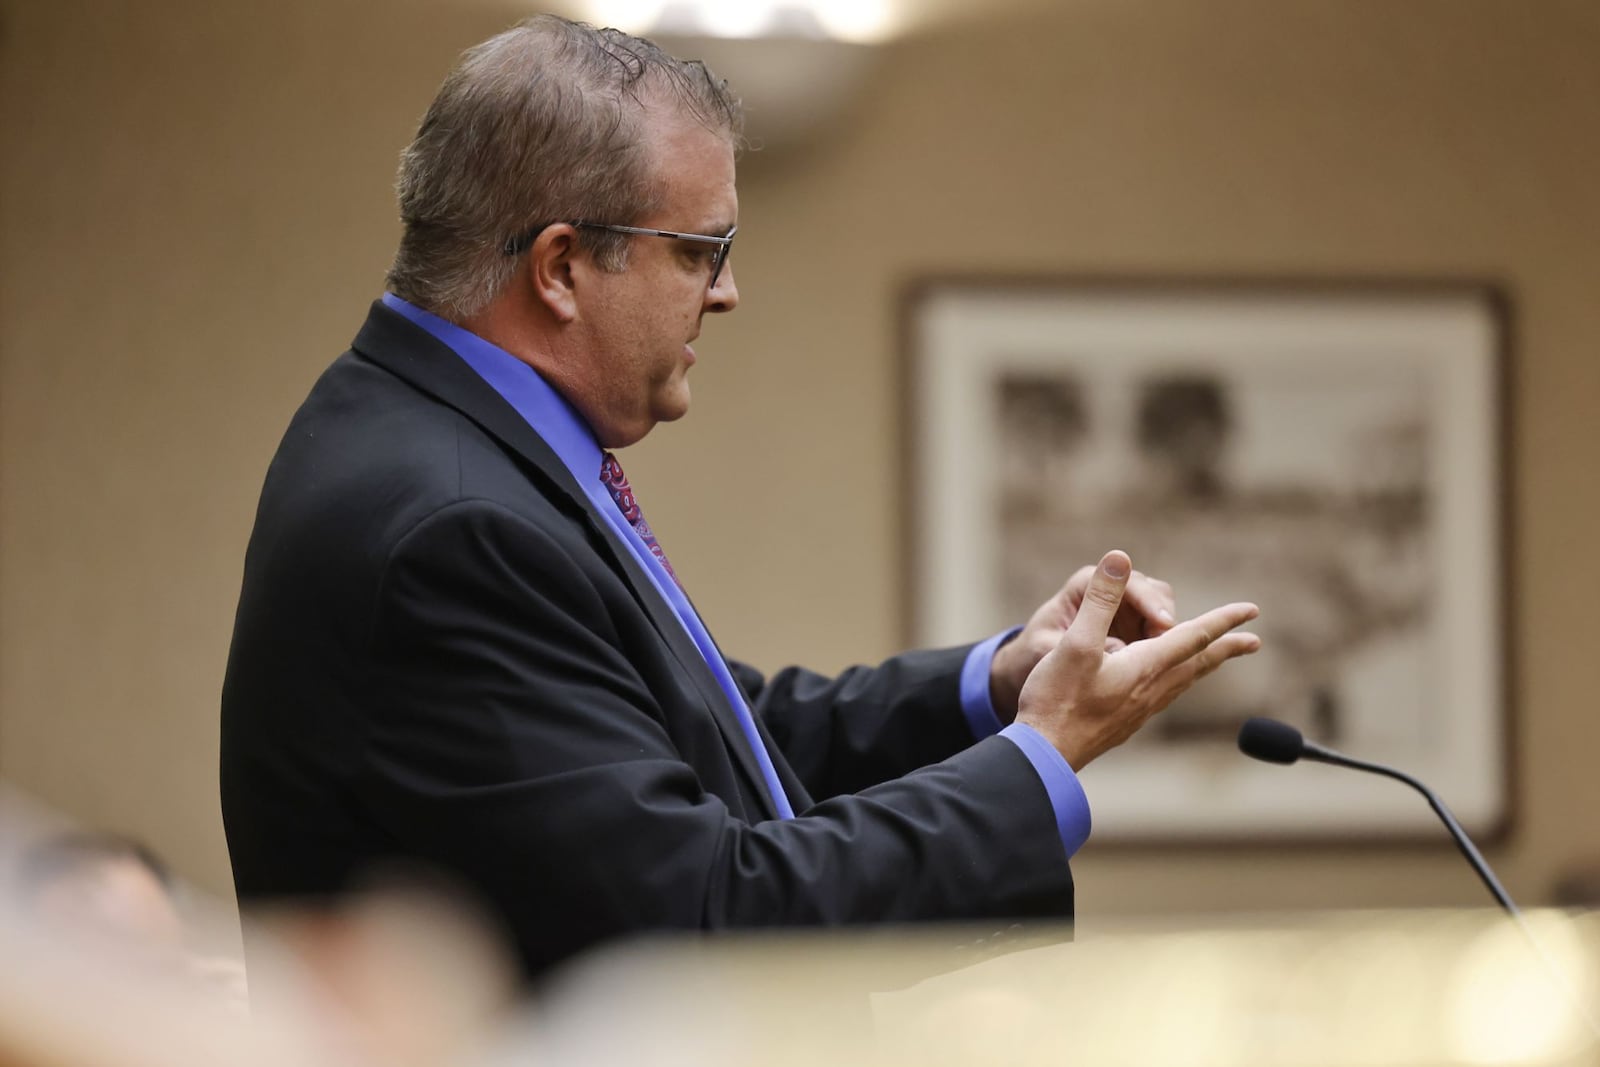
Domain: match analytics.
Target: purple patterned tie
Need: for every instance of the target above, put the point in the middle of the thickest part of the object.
(622, 493)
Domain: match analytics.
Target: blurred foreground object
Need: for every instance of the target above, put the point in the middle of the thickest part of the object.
(107, 896)
(406, 981)
(96, 975)
(412, 978)
(401, 978)
(1432, 988)
(100, 885)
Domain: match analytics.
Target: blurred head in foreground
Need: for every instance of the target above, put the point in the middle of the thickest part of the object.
(101, 886)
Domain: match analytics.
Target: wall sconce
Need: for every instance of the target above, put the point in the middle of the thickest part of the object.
(797, 66)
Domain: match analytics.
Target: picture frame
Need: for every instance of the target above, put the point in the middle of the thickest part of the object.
(1333, 450)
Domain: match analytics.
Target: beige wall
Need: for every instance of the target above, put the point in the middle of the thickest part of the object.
(195, 210)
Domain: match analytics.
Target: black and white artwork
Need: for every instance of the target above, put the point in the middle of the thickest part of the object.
(1331, 453)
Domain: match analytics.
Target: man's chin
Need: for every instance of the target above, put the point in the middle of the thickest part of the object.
(674, 406)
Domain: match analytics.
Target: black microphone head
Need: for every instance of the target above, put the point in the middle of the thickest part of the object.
(1271, 740)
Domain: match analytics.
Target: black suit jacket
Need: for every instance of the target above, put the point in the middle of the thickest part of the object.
(443, 654)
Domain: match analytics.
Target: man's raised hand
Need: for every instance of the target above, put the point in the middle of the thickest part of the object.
(1086, 698)
(1148, 609)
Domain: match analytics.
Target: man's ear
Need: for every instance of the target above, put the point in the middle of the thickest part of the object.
(550, 263)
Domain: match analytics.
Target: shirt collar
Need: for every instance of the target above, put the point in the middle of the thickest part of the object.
(524, 388)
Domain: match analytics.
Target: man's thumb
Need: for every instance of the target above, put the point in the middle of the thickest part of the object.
(1100, 602)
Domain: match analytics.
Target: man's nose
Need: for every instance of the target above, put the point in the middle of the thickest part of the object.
(724, 296)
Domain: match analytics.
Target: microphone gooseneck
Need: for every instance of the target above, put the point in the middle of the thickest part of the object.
(1278, 742)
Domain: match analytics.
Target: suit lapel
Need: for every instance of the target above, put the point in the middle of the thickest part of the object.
(410, 352)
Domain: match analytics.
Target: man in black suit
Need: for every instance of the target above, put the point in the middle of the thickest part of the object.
(458, 643)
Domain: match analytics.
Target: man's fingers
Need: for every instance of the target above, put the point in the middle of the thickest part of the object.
(1153, 605)
(1226, 647)
(1100, 603)
(1221, 651)
(1177, 680)
(1190, 639)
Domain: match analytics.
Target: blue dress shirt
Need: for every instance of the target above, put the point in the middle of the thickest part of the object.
(564, 430)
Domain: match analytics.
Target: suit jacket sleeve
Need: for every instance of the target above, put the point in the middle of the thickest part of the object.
(511, 739)
(868, 725)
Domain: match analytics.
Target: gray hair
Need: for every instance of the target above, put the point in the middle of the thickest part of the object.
(543, 123)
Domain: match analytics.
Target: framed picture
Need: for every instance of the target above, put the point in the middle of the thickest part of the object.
(1333, 452)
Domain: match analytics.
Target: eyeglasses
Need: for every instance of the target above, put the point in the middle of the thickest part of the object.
(517, 245)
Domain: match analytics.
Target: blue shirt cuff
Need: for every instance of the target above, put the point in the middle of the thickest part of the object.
(1066, 794)
(975, 702)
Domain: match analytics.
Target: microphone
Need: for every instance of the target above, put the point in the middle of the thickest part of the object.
(1277, 742)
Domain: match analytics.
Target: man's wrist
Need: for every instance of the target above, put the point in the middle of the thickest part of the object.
(977, 688)
(1060, 781)
(1005, 677)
